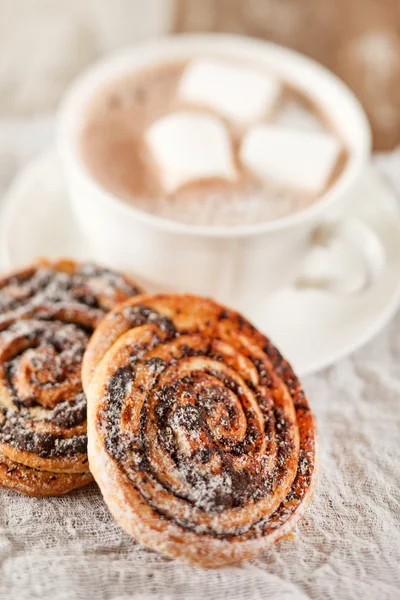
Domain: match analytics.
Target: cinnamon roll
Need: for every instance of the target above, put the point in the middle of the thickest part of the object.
(200, 436)
(48, 313)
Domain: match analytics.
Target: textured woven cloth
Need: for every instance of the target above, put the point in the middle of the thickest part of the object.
(347, 546)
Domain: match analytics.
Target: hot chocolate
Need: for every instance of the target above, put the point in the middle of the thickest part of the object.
(208, 142)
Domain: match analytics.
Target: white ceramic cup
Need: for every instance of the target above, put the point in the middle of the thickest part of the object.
(234, 264)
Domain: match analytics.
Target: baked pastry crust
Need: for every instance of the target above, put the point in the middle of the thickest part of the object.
(200, 436)
(33, 482)
(48, 312)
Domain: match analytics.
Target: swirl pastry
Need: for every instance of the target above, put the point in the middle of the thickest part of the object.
(200, 436)
(48, 312)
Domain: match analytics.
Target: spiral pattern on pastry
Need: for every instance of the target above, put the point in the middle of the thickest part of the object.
(48, 312)
(200, 436)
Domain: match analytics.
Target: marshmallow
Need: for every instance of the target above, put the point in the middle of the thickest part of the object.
(294, 159)
(242, 94)
(297, 116)
(188, 146)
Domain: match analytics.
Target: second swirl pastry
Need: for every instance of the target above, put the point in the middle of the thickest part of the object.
(200, 436)
(48, 313)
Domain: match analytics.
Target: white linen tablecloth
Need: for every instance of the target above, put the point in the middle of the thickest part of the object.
(347, 546)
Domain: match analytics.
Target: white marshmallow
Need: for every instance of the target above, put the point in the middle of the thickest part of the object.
(242, 94)
(188, 146)
(294, 159)
(295, 115)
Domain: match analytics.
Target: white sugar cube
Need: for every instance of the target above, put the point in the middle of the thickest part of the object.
(294, 159)
(242, 94)
(188, 146)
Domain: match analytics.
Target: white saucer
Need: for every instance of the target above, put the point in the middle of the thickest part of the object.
(312, 329)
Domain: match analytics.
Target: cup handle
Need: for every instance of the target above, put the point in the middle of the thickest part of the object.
(362, 241)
